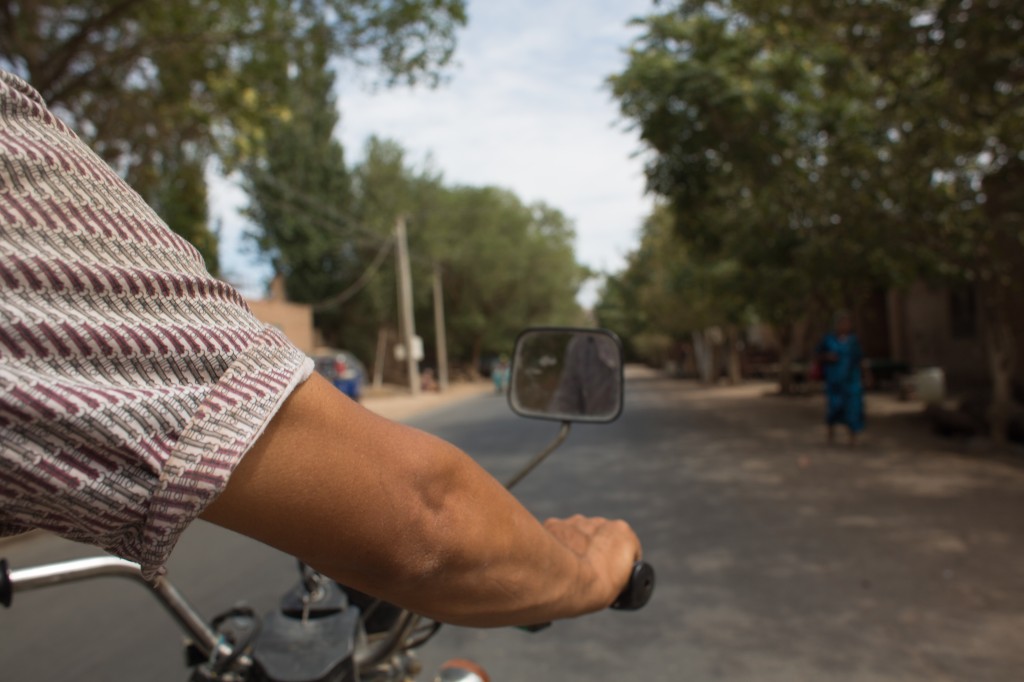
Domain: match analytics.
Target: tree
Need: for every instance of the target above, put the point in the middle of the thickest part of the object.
(843, 145)
(666, 297)
(296, 178)
(951, 100)
(157, 87)
(757, 158)
(941, 82)
(385, 186)
(507, 265)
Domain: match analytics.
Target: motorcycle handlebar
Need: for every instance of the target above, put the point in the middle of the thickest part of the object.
(638, 590)
(634, 596)
(25, 579)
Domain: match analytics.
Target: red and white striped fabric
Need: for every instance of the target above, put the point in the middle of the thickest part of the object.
(131, 382)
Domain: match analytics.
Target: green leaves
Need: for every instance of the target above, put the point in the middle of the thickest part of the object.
(148, 83)
(829, 148)
(507, 265)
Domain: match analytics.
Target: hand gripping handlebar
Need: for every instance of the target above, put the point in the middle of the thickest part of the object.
(635, 596)
(638, 590)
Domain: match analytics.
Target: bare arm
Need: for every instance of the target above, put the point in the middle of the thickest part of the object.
(405, 516)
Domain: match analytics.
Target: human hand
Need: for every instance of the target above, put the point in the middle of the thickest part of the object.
(607, 547)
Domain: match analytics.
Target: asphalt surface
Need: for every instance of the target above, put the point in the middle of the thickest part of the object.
(778, 557)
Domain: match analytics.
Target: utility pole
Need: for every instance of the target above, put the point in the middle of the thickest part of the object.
(407, 323)
(442, 335)
(378, 364)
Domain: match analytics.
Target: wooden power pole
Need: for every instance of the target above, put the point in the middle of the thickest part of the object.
(407, 322)
(442, 336)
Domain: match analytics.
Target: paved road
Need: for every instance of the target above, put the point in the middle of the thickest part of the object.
(777, 558)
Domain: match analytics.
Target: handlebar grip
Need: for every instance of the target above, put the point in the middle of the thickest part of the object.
(635, 596)
(6, 586)
(638, 590)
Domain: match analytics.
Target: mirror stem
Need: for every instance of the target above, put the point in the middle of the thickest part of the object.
(563, 433)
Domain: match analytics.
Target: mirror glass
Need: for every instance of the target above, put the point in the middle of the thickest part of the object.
(567, 374)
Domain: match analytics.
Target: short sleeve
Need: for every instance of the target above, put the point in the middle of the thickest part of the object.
(131, 381)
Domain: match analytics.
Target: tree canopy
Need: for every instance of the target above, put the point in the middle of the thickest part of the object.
(161, 89)
(156, 88)
(831, 148)
(504, 264)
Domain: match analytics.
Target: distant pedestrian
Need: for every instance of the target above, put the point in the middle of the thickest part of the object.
(841, 356)
(428, 382)
(499, 375)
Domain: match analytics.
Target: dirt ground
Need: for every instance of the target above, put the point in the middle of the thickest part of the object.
(895, 559)
(397, 404)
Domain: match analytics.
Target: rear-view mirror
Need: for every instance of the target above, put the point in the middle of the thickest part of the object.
(567, 374)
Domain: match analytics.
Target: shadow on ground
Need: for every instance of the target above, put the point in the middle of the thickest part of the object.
(782, 558)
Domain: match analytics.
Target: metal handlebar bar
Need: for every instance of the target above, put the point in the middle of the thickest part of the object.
(205, 639)
(25, 579)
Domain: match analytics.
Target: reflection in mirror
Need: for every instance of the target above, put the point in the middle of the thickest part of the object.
(567, 375)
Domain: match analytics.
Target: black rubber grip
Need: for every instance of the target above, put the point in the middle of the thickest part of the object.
(6, 588)
(638, 590)
(637, 593)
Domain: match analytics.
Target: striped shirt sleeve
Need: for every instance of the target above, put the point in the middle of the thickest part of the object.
(131, 381)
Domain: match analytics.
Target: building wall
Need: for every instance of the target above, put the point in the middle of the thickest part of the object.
(928, 337)
(295, 320)
(872, 323)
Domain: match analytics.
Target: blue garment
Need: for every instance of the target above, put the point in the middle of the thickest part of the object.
(843, 386)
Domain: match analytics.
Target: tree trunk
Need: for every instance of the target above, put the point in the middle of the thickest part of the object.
(1002, 396)
(703, 357)
(478, 343)
(999, 342)
(786, 354)
(733, 349)
(378, 361)
(793, 339)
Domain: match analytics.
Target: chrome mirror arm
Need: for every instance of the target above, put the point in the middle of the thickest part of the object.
(563, 433)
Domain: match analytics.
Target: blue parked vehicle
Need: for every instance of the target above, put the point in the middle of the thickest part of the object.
(343, 370)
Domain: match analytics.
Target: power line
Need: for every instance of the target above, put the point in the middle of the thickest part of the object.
(324, 214)
(360, 283)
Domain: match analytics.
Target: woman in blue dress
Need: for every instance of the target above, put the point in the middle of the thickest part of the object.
(841, 357)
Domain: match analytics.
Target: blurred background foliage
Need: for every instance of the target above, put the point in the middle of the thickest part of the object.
(164, 90)
(808, 154)
(804, 156)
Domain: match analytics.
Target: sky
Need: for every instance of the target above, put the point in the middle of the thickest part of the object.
(525, 107)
